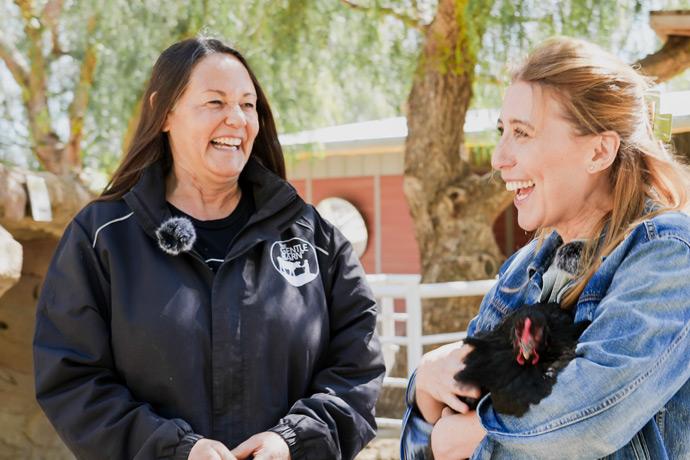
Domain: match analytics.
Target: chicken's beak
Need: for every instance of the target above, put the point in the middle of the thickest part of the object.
(526, 349)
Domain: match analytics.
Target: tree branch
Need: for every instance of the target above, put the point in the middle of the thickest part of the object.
(672, 59)
(410, 21)
(25, 8)
(486, 79)
(50, 17)
(15, 62)
(48, 148)
(77, 109)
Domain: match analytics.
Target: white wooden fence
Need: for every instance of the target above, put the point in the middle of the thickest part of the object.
(387, 288)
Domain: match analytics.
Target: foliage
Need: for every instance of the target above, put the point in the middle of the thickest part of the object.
(321, 62)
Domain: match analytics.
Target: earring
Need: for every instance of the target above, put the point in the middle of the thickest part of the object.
(591, 167)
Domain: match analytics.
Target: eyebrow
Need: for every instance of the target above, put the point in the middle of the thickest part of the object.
(518, 121)
(222, 93)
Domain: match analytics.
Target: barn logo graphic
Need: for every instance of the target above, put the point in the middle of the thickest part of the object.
(295, 259)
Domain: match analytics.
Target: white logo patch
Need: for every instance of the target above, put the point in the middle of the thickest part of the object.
(295, 259)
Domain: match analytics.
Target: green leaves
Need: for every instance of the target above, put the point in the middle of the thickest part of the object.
(321, 62)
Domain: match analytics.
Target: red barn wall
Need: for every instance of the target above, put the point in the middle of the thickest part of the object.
(399, 251)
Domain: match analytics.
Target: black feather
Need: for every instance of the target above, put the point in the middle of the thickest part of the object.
(176, 235)
(492, 365)
(568, 256)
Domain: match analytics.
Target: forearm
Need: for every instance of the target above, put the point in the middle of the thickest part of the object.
(100, 415)
(456, 436)
(324, 427)
(335, 418)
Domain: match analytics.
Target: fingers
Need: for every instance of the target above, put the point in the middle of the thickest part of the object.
(245, 449)
(468, 391)
(464, 351)
(223, 452)
(227, 456)
(460, 395)
(263, 446)
(208, 449)
(455, 404)
(447, 411)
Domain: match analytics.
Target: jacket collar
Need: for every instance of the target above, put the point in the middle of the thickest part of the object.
(147, 198)
(277, 202)
(545, 253)
(272, 195)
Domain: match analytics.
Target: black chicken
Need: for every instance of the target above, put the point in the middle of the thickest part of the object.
(519, 360)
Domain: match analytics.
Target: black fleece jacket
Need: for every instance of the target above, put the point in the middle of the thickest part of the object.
(140, 351)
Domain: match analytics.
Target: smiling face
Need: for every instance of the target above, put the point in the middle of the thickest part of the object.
(545, 162)
(214, 123)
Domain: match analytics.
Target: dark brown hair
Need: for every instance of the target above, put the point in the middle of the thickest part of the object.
(169, 79)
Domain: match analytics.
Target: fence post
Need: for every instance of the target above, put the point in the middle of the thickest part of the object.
(413, 305)
(388, 331)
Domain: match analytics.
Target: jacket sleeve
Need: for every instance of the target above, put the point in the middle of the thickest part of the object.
(76, 384)
(415, 438)
(337, 420)
(630, 362)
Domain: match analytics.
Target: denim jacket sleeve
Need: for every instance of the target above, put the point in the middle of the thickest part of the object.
(415, 439)
(630, 361)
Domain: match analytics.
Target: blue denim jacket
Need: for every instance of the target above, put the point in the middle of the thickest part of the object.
(627, 393)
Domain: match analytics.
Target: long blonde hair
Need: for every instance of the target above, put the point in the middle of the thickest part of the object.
(599, 92)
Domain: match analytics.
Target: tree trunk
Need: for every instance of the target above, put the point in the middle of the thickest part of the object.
(10, 262)
(453, 207)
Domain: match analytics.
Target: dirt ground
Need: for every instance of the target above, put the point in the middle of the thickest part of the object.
(381, 449)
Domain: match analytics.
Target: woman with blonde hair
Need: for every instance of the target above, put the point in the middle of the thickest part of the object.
(607, 200)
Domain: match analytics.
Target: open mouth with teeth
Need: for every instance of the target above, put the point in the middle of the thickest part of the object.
(227, 143)
(522, 188)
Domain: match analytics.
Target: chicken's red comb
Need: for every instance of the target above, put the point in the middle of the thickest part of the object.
(525, 330)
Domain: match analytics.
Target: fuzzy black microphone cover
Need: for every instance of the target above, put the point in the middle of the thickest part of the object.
(176, 235)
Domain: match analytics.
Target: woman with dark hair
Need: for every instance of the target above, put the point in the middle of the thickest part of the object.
(199, 305)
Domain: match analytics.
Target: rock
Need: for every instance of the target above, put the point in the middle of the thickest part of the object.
(67, 196)
(10, 262)
(25, 433)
